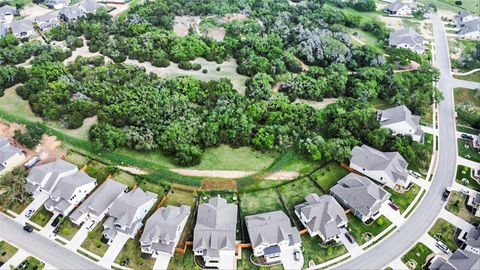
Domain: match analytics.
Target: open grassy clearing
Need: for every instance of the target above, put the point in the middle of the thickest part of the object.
(76, 159)
(464, 95)
(457, 205)
(259, 202)
(445, 232)
(67, 229)
(464, 177)
(417, 256)
(152, 187)
(125, 178)
(291, 160)
(99, 171)
(6, 251)
(179, 197)
(328, 175)
(474, 77)
(467, 5)
(362, 232)
(466, 150)
(314, 250)
(132, 256)
(41, 216)
(31, 263)
(403, 200)
(295, 192)
(93, 241)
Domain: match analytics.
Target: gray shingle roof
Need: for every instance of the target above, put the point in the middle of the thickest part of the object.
(89, 6)
(72, 12)
(161, 228)
(360, 193)
(406, 36)
(66, 186)
(473, 237)
(394, 7)
(99, 201)
(46, 18)
(400, 114)
(464, 260)
(21, 26)
(216, 227)
(3, 29)
(53, 169)
(7, 151)
(470, 26)
(271, 228)
(324, 214)
(124, 208)
(8, 10)
(392, 163)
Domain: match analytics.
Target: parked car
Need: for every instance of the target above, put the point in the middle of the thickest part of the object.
(57, 220)
(90, 226)
(29, 164)
(466, 136)
(445, 194)
(393, 206)
(28, 228)
(296, 256)
(29, 213)
(442, 247)
(56, 230)
(350, 237)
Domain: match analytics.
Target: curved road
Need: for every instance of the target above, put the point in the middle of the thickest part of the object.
(400, 241)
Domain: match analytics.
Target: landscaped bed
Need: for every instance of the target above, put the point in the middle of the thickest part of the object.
(416, 257)
(362, 232)
(259, 202)
(445, 232)
(328, 175)
(294, 193)
(31, 263)
(67, 229)
(132, 257)
(41, 216)
(313, 249)
(93, 241)
(6, 251)
(403, 200)
(464, 177)
(456, 205)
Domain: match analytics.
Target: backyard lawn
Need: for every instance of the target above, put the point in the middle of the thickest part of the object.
(259, 202)
(464, 177)
(31, 263)
(313, 250)
(76, 158)
(403, 200)
(93, 241)
(182, 261)
(67, 229)
(416, 257)
(445, 232)
(179, 197)
(362, 232)
(41, 216)
(125, 178)
(328, 175)
(6, 251)
(132, 257)
(98, 171)
(152, 187)
(294, 193)
(466, 150)
(292, 161)
(456, 205)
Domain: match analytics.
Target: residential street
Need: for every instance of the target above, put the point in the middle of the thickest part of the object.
(428, 210)
(42, 248)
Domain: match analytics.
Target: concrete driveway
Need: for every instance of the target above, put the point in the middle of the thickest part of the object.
(394, 216)
(288, 259)
(80, 236)
(113, 250)
(161, 263)
(34, 205)
(353, 248)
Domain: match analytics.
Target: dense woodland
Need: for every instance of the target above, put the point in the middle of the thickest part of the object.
(183, 116)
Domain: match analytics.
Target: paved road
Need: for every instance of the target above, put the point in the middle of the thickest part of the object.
(427, 211)
(44, 249)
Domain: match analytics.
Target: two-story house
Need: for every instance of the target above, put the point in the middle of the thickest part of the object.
(47, 21)
(407, 38)
(45, 177)
(398, 8)
(10, 156)
(22, 28)
(400, 120)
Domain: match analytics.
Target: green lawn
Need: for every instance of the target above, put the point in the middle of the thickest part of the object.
(179, 197)
(449, 5)
(291, 160)
(466, 150)
(76, 158)
(259, 202)
(182, 261)
(67, 229)
(362, 232)
(41, 216)
(416, 257)
(313, 250)
(6, 251)
(98, 171)
(464, 177)
(428, 139)
(469, 130)
(93, 241)
(328, 175)
(136, 259)
(152, 187)
(403, 200)
(380, 104)
(31, 263)
(125, 178)
(445, 232)
(474, 77)
(294, 193)
(225, 157)
(456, 205)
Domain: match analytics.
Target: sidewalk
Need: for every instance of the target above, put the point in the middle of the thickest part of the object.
(430, 242)
(466, 162)
(454, 220)
(14, 261)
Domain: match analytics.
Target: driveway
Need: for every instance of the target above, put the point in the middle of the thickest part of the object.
(161, 263)
(80, 236)
(288, 260)
(114, 249)
(353, 249)
(394, 216)
(34, 205)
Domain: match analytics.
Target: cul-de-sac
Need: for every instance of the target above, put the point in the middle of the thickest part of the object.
(240, 134)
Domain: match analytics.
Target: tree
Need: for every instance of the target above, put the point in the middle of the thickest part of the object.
(14, 184)
(31, 138)
(105, 136)
(259, 86)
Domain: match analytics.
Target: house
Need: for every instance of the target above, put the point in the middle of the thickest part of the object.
(45, 177)
(7, 13)
(90, 6)
(272, 234)
(56, 4)
(322, 216)
(398, 8)
(69, 192)
(388, 168)
(470, 29)
(71, 13)
(10, 156)
(127, 213)
(400, 120)
(471, 240)
(22, 28)
(463, 17)
(163, 230)
(407, 38)
(474, 203)
(47, 21)
(361, 195)
(214, 236)
(460, 260)
(182, 24)
(4, 27)
(99, 203)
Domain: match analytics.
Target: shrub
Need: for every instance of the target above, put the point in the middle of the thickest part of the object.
(458, 3)
(218, 69)
(32, 136)
(185, 65)
(380, 222)
(205, 71)
(196, 66)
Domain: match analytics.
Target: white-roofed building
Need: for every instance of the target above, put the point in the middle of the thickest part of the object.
(10, 156)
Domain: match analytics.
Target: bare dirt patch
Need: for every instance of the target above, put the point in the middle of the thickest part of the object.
(317, 104)
(282, 176)
(213, 174)
(32, 11)
(219, 184)
(134, 170)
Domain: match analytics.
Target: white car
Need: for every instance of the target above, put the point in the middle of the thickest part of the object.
(443, 247)
(29, 213)
(90, 226)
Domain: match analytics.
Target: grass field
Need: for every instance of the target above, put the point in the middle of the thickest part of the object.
(67, 229)
(76, 158)
(179, 197)
(417, 255)
(445, 232)
(152, 187)
(182, 261)
(466, 150)
(464, 177)
(456, 205)
(125, 178)
(474, 77)
(466, 129)
(93, 241)
(41, 216)
(98, 171)
(6, 251)
(136, 259)
(259, 202)
(312, 250)
(295, 192)
(403, 200)
(469, 5)
(328, 175)
(361, 231)
(31, 263)
(291, 160)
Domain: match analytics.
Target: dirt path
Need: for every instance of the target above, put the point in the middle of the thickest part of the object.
(234, 174)
(134, 170)
(317, 104)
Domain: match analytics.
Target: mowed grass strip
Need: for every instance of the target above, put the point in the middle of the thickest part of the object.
(6, 251)
(41, 216)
